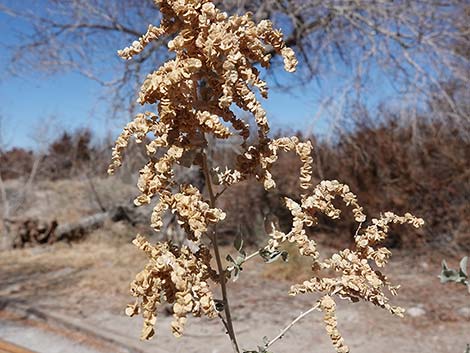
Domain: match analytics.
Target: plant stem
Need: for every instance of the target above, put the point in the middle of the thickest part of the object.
(297, 319)
(249, 257)
(288, 327)
(222, 278)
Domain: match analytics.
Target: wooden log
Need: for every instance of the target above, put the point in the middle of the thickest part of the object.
(75, 231)
(31, 231)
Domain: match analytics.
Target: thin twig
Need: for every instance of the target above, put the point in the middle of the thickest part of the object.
(95, 193)
(358, 229)
(288, 327)
(220, 193)
(249, 257)
(223, 322)
(297, 319)
(5, 213)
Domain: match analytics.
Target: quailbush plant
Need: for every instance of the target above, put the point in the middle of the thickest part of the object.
(456, 276)
(216, 68)
(460, 275)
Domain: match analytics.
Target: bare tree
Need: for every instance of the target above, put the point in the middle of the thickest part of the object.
(416, 46)
(14, 200)
(5, 206)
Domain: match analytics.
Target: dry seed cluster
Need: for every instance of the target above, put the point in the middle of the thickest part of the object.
(213, 70)
(173, 275)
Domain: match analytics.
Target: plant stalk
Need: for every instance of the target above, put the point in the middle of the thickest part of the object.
(222, 278)
(297, 319)
(288, 327)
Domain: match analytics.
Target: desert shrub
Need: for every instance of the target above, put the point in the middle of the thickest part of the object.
(216, 68)
(15, 163)
(388, 165)
(419, 165)
(70, 154)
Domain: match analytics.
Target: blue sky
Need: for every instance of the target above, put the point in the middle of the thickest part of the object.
(70, 101)
(34, 103)
(29, 101)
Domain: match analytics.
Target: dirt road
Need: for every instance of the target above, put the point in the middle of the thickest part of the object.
(87, 284)
(8, 347)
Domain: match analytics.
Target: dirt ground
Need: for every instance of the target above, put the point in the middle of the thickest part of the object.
(70, 298)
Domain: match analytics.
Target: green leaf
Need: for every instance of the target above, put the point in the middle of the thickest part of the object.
(236, 273)
(238, 242)
(240, 260)
(219, 305)
(271, 256)
(450, 275)
(242, 253)
(463, 266)
(285, 256)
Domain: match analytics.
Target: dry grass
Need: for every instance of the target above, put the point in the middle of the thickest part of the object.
(72, 274)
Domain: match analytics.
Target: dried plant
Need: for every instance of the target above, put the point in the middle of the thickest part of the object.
(215, 69)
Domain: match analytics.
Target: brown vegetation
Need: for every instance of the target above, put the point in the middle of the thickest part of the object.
(387, 169)
(421, 167)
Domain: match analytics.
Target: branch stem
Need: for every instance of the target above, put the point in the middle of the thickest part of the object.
(297, 319)
(222, 278)
(249, 257)
(288, 327)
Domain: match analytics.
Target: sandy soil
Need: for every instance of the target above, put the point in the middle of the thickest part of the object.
(87, 284)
